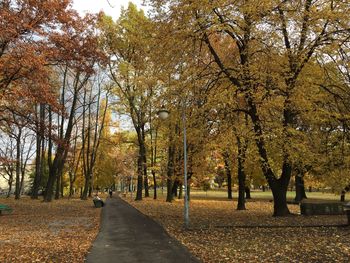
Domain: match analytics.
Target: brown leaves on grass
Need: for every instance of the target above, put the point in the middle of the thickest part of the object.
(61, 231)
(219, 233)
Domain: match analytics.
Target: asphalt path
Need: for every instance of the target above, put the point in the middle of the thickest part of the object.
(126, 235)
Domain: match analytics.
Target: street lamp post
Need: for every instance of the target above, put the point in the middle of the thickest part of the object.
(164, 114)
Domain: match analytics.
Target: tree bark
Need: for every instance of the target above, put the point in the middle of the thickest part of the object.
(299, 188)
(174, 188)
(180, 191)
(144, 162)
(87, 149)
(342, 196)
(247, 193)
(154, 185)
(141, 165)
(154, 157)
(73, 170)
(94, 134)
(39, 153)
(280, 200)
(62, 147)
(228, 174)
(279, 189)
(58, 183)
(170, 171)
(241, 173)
(278, 186)
(18, 163)
(71, 182)
(188, 192)
(139, 176)
(10, 182)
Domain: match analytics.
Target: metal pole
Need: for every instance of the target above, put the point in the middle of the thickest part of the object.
(186, 205)
(131, 186)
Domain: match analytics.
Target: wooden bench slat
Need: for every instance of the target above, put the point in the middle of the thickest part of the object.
(5, 208)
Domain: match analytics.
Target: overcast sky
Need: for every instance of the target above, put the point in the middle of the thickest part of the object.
(94, 6)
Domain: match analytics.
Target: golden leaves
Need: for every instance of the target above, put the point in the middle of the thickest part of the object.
(48, 232)
(222, 234)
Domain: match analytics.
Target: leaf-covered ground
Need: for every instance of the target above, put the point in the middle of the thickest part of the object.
(60, 231)
(219, 233)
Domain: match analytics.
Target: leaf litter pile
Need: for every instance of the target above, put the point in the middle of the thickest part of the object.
(219, 233)
(60, 231)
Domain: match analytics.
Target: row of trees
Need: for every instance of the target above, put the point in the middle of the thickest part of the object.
(260, 83)
(264, 86)
(54, 99)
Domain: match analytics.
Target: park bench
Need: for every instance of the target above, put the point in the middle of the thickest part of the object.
(5, 208)
(346, 208)
(321, 208)
(98, 203)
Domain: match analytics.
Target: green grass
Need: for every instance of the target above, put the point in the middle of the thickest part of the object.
(216, 194)
(222, 195)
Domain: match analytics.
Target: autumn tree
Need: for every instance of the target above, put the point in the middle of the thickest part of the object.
(128, 43)
(78, 47)
(275, 41)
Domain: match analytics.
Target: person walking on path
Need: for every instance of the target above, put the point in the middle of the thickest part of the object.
(128, 236)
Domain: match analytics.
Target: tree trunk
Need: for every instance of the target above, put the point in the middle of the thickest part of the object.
(228, 174)
(10, 182)
(141, 163)
(188, 192)
(241, 174)
(247, 193)
(153, 156)
(279, 189)
(18, 164)
(180, 191)
(86, 187)
(58, 183)
(280, 201)
(139, 177)
(170, 171)
(342, 196)
(144, 165)
(21, 188)
(145, 173)
(62, 147)
(70, 184)
(169, 196)
(91, 188)
(278, 186)
(299, 188)
(154, 185)
(174, 188)
(39, 152)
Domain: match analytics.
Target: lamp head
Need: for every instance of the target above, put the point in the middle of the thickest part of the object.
(163, 113)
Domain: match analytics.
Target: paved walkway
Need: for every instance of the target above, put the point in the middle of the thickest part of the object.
(126, 235)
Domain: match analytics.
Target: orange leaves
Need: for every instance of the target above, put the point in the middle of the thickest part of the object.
(222, 234)
(48, 232)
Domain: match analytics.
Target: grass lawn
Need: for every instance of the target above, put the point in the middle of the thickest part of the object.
(267, 195)
(60, 231)
(219, 233)
(261, 195)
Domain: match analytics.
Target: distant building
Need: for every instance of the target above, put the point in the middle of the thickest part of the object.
(4, 187)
